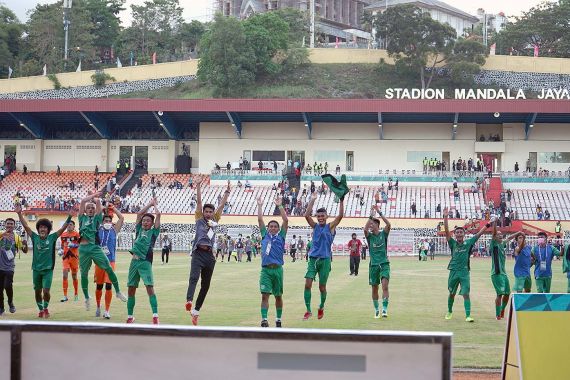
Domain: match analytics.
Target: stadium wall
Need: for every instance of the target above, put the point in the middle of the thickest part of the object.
(319, 56)
(419, 223)
(219, 144)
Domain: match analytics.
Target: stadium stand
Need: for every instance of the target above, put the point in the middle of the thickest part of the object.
(36, 187)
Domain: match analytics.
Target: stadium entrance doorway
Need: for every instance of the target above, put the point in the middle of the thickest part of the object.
(141, 157)
(296, 156)
(349, 161)
(491, 161)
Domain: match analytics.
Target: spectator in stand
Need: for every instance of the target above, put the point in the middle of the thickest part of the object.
(228, 166)
(58, 171)
(516, 167)
(260, 165)
(413, 209)
(247, 184)
(354, 246)
(546, 215)
(337, 170)
(239, 184)
(241, 166)
(2, 173)
(72, 185)
(190, 184)
(25, 170)
(96, 170)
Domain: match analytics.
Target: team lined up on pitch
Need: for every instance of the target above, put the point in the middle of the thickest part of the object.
(96, 241)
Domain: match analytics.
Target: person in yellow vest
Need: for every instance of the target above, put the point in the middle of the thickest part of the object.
(10, 244)
(558, 228)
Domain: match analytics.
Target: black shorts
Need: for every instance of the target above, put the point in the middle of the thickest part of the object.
(293, 250)
(165, 250)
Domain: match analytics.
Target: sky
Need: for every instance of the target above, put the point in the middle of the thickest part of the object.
(202, 9)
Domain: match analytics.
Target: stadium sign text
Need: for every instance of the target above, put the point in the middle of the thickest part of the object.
(473, 94)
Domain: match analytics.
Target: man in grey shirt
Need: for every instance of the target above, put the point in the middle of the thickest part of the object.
(10, 243)
(203, 259)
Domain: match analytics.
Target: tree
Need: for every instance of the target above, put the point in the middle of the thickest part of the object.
(155, 25)
(415, 41)
(190, 35)
(299, 25)
(10, 40)
(227, 61)
(104, 15)
(267, 34)
(465, 61)
(547, 26)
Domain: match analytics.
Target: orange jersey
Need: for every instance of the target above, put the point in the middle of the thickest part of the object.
(67, 239)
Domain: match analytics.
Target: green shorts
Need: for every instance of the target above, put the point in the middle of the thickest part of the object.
(543, 284)
(319, 266)
(501, 284)
(271, 281)
(89, 253)
(522, 283)
(568, 290)
(456, 278)
(42, 278)
(140, 269)
(377, 272)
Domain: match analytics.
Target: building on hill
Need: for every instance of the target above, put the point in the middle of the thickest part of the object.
(496, 22)
(334, 18)
(440, 11)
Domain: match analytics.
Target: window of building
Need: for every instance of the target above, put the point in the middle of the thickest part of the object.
(554, 157)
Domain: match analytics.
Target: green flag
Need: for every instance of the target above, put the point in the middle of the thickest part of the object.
(340, 189)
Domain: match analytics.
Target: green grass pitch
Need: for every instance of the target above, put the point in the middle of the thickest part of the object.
(418, 300)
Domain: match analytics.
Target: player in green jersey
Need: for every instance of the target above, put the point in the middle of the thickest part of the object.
(90, 218)
(459, 265)
(379, 264)
(43, 259)
(499, 276)
(147, 231)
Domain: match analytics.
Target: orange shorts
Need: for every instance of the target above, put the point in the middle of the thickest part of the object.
(101, 277)
(72, 264)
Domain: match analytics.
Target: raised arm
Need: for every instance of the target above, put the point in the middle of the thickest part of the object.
(64, 226)
(198, 183)
(224, 198)
(279, 203)
(87, 199)
(482, 230)
(98, 207)
(120, 222)
(513, 236)
(157, 214)
(145, 209)
(309, 210)
(340, 215)
(368, 224)
(387, 225)
(446, 223)
(260, 214)
(18, 209)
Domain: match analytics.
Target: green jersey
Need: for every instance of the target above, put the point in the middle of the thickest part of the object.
(89, 227)
(460, 253)
(144, 242)
(498, 257)
(378, 248)
(44, 251)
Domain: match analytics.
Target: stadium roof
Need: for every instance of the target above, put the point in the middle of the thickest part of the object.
(430, 4)
(178, 119)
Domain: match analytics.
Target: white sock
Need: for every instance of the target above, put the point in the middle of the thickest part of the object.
(155, 315)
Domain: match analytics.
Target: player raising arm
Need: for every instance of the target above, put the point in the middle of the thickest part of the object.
(147, 231)
(499, 276)
(272, 251)
(320, 254)
(379, 264)
(459, 265)
(43, 259)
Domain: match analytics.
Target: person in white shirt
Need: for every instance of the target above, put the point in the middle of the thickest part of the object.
(166, 243)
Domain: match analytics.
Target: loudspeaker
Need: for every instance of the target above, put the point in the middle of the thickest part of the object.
(183, 164)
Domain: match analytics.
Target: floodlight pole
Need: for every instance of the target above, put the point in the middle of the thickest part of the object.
(66, 23)
(312, 27)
